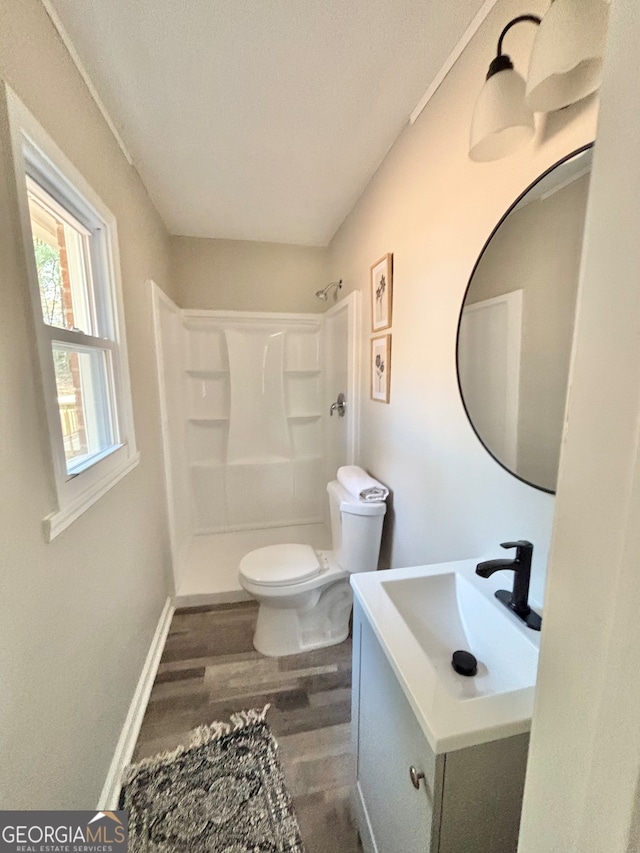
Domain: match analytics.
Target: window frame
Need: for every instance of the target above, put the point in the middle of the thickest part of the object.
(37, 157)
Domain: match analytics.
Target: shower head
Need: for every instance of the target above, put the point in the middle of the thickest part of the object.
(323, 294)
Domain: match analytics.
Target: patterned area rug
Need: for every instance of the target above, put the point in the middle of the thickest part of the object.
(222, 793)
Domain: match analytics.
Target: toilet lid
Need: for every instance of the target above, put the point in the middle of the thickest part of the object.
(279, 565)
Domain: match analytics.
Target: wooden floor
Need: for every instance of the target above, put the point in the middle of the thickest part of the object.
(209, 669)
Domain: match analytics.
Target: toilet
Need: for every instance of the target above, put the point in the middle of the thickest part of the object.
(304, 595)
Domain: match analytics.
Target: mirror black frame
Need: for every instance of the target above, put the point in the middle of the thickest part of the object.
(540, 177)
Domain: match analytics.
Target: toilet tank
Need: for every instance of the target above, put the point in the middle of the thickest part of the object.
(356, 529)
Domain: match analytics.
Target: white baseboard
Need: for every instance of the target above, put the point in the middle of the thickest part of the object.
(131, 728)
(362, 821)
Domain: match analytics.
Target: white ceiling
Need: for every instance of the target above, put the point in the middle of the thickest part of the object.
(261, 119)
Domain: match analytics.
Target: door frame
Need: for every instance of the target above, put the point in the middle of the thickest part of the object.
(583, 777)
(513, 302)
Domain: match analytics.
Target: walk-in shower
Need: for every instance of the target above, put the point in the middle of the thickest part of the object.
(249, 445)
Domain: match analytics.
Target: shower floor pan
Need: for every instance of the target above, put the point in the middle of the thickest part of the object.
(210, 575)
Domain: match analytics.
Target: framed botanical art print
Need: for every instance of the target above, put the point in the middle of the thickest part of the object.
(381, 293)
(381, 368)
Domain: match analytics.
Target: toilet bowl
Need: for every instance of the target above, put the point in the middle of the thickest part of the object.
(304, 595)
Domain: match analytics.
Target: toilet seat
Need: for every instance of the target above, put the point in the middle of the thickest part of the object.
(280, 565)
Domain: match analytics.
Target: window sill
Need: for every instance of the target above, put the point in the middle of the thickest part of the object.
(58, 521)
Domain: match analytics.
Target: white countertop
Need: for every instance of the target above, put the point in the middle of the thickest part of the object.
(447, 721)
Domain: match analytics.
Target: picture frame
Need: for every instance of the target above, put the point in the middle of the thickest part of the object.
(380, 368)
(382, 293)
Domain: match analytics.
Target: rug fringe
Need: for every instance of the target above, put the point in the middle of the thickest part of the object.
(198, 737)
(205, 734)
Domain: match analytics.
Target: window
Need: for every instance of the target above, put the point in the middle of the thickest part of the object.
(70, 241)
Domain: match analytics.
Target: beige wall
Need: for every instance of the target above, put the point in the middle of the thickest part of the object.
(239, 275)
(433, 208)
(77, 615)
(537, 249)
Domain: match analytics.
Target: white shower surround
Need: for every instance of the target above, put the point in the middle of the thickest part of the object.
(253, 419)
(244, 408)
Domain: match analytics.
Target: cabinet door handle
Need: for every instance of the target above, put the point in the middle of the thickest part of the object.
(415, 777)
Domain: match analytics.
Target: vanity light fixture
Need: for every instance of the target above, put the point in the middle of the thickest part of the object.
(565, 66)
(502, 121)
(566, 58)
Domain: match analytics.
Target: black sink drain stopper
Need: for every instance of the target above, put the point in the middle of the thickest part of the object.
(464, 663)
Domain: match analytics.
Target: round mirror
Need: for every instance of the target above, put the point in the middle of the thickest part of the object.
(516, 324)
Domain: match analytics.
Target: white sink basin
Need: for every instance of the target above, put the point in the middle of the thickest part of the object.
(421, 616)
(445, 613)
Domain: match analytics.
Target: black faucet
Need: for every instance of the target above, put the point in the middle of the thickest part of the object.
(518, 600)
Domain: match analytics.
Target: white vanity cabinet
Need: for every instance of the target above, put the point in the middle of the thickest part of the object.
(468, 800)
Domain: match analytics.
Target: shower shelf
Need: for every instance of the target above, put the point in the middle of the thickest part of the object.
(207, 420)
(304, 417)
(197, 371)
(212, 463)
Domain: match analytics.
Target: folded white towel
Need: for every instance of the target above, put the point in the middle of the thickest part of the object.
(359, 483)
(376, 494)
